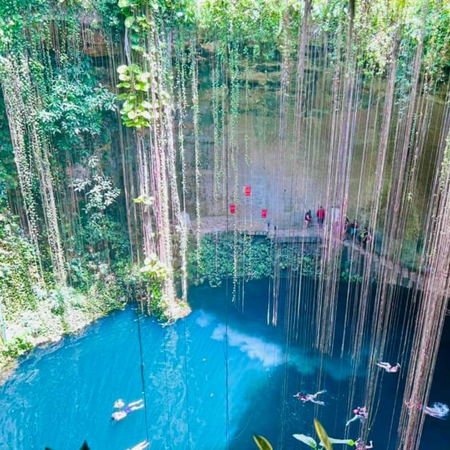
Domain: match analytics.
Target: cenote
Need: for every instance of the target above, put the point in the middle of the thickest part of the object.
(231, 215)
(211, 381)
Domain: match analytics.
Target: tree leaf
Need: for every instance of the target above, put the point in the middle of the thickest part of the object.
(146, 115)
(308, 440)
(122, 69)
(322, 435)
(349, 442)
(124, 3)
(262, 443)
(144, 76)
(129, 21)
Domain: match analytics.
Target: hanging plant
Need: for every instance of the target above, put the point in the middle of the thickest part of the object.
(145, 200)
(136, 110)
(155, 273)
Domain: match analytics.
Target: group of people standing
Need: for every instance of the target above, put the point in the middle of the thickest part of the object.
(352, 231)
(320, 214)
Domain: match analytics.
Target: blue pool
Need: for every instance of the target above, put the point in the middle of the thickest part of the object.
(200, 393)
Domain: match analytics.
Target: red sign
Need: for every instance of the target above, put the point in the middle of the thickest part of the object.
(247, 191)
(232, 208)
(263, 213)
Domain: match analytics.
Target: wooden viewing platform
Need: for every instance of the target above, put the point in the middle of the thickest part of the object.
(396, 273)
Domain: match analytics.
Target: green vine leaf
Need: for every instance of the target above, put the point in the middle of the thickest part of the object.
(306, 440)
(125, 3)
(322, 435)
(129, 21)
(262, 443)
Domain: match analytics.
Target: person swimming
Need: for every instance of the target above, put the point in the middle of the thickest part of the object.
(437, 410)
(360, 445)
(119, 404)
(310, 397)
(360, 413)
(388, 368)
(141, 446)
(134, 406)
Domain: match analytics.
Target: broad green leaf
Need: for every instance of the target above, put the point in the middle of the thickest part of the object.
(145, 115)
(124, 77)
(129, 21)
(127, 106)
(140, 86)
(122, 69)
(349, 442)
(132, 115)
(137, 48)
(308, 440)
(135, 68)
(323, 435)
(124, 3)
(144, 77)
(262, 443)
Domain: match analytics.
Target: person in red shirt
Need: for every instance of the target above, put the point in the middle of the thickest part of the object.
(320, 216)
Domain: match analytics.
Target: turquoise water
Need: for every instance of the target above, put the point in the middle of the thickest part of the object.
(64, 394)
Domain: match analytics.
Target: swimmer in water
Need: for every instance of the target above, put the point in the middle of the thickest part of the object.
(119, 404)
(360, 445)
(134, 406)
(141, 446)
(388, 368)
(310, 397)
(360, 414)
(436, 410)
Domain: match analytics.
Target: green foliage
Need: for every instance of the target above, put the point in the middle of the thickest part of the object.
(98, 188)
(101, 234)
(437, 40)
(444, 176)
(17, 347)
(18, 268)
(144, 200)
(256, 258)
(136, 110)
(262, 443)
(8, 171)
(352, 278)
(75, 105)
(154, 273)
(324, 439)
(257, 23)
(308, 440)
(325, 442)
(173, 13)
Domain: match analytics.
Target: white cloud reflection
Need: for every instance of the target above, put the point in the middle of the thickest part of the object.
(270, 354)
